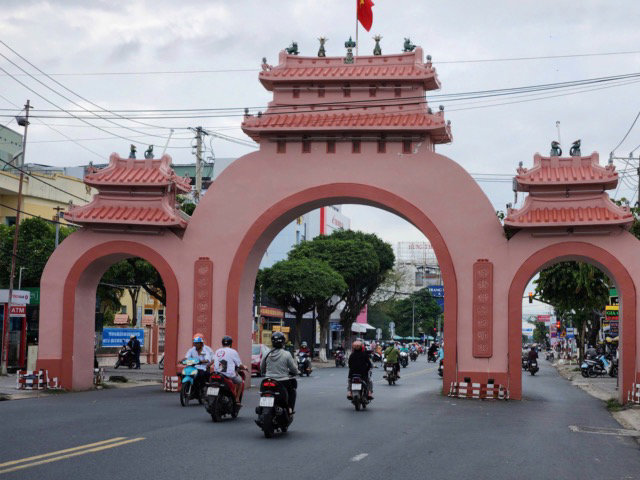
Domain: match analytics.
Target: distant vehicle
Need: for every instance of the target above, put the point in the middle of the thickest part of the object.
(126, 357)
(258, 352)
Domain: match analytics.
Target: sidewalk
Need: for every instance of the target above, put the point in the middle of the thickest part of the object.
(602, 388)
(8, 390)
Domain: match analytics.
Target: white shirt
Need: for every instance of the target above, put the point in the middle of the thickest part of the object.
(232, 359)
(205, 355)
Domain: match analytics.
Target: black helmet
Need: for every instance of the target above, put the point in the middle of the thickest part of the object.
(227, 341)
(277, 339)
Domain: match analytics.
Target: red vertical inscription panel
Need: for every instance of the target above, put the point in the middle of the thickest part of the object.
(483, 309)
(203, 297)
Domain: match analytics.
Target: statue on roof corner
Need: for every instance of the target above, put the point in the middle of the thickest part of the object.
(148, 153)
(132, 151)
(349, 45)
(408, 46)
(292, 49)
(321, 51)
(377, 50)
(556, 151)
(575, 149)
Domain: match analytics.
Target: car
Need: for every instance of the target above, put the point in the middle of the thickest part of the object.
(258, 351)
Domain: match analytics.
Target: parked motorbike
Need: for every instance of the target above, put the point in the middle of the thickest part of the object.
(533, 367)
(390, 373)
(441, 367)
(359, 392)
(273, 408)
(304, 364)
(126, 357)
(220, 397)
(613, 371)
(340, 359)
(549, 355)
(188, 390)
(592, 368)
(404, 359)
(413, 355)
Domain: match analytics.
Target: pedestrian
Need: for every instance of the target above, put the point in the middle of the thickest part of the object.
(134, 345)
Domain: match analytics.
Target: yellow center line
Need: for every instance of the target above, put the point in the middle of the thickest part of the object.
(66, 450)
(85, 450)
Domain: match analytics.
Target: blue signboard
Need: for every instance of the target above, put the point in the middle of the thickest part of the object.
(335, 326)
(115, 337)
(437, 292)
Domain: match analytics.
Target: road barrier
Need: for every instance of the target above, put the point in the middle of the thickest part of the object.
(634, 395)
(31, 380)
(172, 384)
(485, 391)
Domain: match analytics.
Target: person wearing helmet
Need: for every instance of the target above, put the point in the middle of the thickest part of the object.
(280, 366)
(360, 364)
(391, 355)
(227, 362)
(134, 345)
(204, 355)
(304, 348)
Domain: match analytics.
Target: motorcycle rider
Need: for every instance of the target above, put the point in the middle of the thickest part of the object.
(360, 364)
(532, 355)
(391, 355)
(204, 355)
(227, 362)
(304, 348)
(134, 345)
(433, 348)
(280, 366)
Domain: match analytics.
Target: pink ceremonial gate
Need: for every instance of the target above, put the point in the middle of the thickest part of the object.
(340, 133)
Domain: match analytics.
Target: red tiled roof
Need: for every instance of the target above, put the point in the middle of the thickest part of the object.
(106, 210)
(133, 172)
(593, 210)
(398, 121)
(404, 66)
(566, 171)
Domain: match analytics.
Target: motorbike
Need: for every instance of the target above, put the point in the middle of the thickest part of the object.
(592, 368)
(533, 367)
(340, 359)
(390, 373)
(126, 357)
(220, 397)
(525, 363)
(304, 364)
(441, 368)
(359, 392)
(376, 358)
(404, 359)
(613, 371)
(549, 355)
(188, 390)
(432, 356)
(413, 355)
(273, 408)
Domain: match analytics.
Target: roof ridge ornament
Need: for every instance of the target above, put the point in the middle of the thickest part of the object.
(321, 51)
(377, 50)
(132, 151)
(556, 151)
(148, 153)
(292, 49)
(349, 45)
(575, 149)
(408, 46)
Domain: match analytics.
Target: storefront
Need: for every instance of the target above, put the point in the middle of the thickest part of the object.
(15, 321)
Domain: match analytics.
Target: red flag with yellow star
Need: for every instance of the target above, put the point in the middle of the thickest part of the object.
(365, 13)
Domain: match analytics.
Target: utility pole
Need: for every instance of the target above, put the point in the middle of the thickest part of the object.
(199, 133)
(22, 121)
(413, 318)
(56, 217)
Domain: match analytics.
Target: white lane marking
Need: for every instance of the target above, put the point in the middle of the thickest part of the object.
(359, 457)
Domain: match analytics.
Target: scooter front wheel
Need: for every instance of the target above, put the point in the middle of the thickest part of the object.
(185, 391)
(117, 364)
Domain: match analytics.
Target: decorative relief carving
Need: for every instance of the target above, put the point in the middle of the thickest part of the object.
(482, 309)
(203, 297)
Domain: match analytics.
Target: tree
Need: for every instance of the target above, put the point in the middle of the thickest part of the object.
(36, 243)
(578, 292)
(426, 313)
(540, 333)
(299, 285)
(185, 204)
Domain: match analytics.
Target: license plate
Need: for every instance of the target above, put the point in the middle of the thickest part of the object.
(267, 401)
(356, 386)
(213, 391)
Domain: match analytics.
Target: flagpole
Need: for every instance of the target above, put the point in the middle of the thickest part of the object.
(357, 43)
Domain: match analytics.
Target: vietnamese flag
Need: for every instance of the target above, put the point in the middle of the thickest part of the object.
(365, 13)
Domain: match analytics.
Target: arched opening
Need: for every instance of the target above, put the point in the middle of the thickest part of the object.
(607, 263)
(79, 308)
(255, 242)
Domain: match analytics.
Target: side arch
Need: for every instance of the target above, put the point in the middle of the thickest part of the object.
(578, 251)
(242, 275)
(70, 365)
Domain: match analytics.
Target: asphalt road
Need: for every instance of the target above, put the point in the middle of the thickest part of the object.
(408, 430)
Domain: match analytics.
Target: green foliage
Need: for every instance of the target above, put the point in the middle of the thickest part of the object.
(36, 243)
(186, 205)
(401, 312)
(540, 331)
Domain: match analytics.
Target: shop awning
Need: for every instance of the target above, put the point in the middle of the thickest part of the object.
(361, 327)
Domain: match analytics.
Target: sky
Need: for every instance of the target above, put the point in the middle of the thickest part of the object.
(100, 49)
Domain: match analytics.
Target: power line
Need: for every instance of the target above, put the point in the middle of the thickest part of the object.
(627, 134)
(41, 218)
(240, 69)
